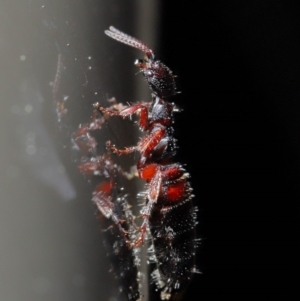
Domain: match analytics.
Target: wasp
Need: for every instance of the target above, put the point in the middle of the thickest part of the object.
(169, 217)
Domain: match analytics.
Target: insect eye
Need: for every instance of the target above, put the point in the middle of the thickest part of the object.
(140, 64)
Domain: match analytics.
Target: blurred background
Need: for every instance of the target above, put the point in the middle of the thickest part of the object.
(238, 67)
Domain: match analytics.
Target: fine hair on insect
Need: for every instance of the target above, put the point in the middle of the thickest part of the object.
(168, 216)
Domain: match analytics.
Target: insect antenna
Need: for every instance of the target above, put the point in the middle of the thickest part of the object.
(129, 40)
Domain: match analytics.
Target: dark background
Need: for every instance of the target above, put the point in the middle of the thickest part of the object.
(238, 67)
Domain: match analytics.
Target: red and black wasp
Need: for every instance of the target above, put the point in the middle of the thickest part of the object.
(168, 215)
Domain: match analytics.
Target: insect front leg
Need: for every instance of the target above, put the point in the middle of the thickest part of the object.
(124, 111)
(145, 146)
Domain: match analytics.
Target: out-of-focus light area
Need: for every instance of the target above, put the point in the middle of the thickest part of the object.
(50, 239)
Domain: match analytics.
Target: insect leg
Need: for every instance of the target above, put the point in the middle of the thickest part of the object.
(152, 196)
(124, 111)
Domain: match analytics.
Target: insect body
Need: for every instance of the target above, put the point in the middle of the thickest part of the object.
(168, 214)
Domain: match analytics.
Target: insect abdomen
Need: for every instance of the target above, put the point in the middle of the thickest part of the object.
(173, 232)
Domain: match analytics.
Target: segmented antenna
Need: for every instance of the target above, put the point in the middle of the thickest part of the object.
(128, 40)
